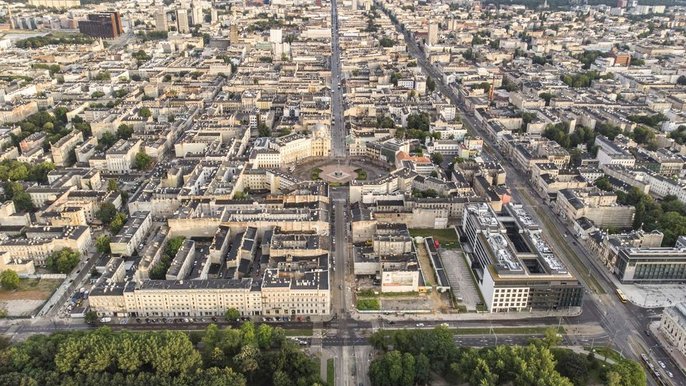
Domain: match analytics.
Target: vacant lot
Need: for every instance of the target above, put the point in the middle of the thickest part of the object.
(30, 295)
(446, 237)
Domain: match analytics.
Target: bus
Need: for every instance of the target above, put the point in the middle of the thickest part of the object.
(621, 296)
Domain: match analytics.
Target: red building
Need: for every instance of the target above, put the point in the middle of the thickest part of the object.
(102, 25)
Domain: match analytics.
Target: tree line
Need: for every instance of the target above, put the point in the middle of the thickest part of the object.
(247, 356)
(50, 39)
(411, 356)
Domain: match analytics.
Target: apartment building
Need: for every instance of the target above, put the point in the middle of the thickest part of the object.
(132, 234)
(599, 206)
(673, 326)
(41, 241)
(120, 157)
(61, 149)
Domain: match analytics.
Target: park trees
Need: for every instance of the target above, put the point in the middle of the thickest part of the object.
(9, 279)
(63, 261)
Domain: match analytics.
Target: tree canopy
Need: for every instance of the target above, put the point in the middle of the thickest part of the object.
(63, 261)
(236, 357)
(409, 356)
(9, 279)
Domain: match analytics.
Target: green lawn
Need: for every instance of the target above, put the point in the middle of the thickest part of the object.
(314, 174)
(361, 174)
(368, 304)
(446, 237)
(298, 332)
(605, 352)
(330, 372)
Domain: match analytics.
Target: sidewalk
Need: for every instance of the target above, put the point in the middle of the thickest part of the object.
(392, 315)
(676, 356)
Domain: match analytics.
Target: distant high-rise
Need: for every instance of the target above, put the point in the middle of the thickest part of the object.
(214, 16)
(233, 35)
(276, 35)
(102, 25)
(354, 5)
(161, 20)
(182, 21)
(196, 15)
(433, 33)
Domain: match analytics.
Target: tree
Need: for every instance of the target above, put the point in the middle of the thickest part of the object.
(106, 141)
(112, 185)
(263, 130)
(430, 84)
(247, 360)
(142, 161)
(91, 317)
(387, 42)
(124, 131)
(106, 213)
(118, 222)
(547, 97)
(63, 261)
(422, 369)
(436, 158)
(144, 112)
(232, 314)
(9, 279)
(681, 80)
(264, 336)
(603, 183)
(551, 338)
(102, 244)
(23, 202)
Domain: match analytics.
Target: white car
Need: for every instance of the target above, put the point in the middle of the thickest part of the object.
(420, 324)
(670, 374)
(662, 364)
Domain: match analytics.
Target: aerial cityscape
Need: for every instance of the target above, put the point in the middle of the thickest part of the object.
(343, 192)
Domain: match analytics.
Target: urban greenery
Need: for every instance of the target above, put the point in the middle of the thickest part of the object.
(159, 271)
(142, 161)
(415, 357)
(63, 261)
(9, 279)
(102, 244)
(50, 39)
(368, 304)
(247, 356)
(649, 120)
(668, 215)
(679, 135)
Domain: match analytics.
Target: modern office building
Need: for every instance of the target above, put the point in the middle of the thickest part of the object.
(102, 25)
(514, 267)
(651, 265)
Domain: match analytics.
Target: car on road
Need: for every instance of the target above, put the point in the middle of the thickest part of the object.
(444, 325)
(669, 373)
(420, 324)
(662, 364)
